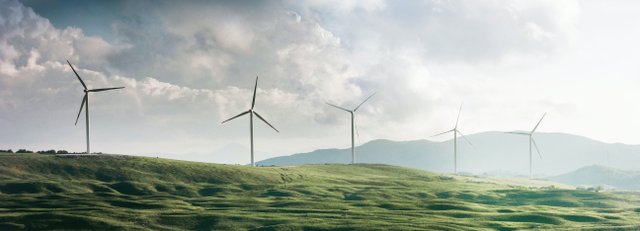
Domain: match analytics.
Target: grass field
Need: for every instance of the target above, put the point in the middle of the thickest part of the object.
(136, 193)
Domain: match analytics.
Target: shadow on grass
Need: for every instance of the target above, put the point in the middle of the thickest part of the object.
(532, 218)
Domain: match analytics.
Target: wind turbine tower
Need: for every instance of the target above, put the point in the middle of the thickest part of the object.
(252, 112)
(353, 152)
(532, 141)
(455, 141)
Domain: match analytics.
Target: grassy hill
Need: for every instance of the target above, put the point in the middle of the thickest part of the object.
(116, 192)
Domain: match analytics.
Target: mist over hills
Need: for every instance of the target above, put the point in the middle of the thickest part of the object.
(492, 152)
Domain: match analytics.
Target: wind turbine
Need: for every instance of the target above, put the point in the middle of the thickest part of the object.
(531, 141)
(455, 141)
(251, 112)
(353, 152)
(85, 101)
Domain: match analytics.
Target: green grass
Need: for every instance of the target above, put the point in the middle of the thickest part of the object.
(136, 193)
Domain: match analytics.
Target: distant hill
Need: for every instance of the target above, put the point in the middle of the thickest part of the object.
(492, 152)
(107, 192)
(596, 175)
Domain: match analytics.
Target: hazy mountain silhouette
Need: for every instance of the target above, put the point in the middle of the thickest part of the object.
(597, 175)
(492, 152)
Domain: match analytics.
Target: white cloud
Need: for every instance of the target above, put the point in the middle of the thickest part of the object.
(348, 6)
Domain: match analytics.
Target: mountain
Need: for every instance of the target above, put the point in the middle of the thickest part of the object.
(107, 192)
(597, 175)
(492, 152)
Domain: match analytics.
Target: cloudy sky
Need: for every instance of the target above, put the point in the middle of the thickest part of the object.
(187, 66)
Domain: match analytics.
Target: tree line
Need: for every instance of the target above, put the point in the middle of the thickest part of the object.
(50, 151)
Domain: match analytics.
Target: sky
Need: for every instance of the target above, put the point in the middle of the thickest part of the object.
(189, 65)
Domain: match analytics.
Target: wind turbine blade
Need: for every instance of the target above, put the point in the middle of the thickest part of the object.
(458, 119)
(536, 127)
(265, 121)
(104, 89)
(443, 133)
(255, 88)
(519, 133)
(74, 71)
(536, 145)
(84, 100)
(241, 114)
(465, 138)
(338, 107)
(364, 101)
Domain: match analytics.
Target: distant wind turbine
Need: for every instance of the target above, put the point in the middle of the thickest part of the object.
(251, 112)
(353, 152)
(531, 141)
(85, 101)
(455, 141)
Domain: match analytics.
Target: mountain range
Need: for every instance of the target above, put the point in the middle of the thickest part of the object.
(492, 153)
(597, 175)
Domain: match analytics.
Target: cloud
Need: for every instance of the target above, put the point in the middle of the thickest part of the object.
(349, 6)
(28, 39)
(457, 31)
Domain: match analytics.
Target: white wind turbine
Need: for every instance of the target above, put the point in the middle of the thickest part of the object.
(455, 141)
(531, 142)
(353, 152)
(251, 112)
(85, 101)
